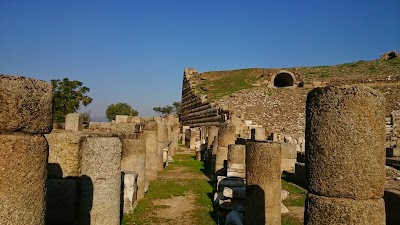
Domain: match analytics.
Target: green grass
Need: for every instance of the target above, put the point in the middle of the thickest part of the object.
(287, 220)
(166, 188)
(223, 83)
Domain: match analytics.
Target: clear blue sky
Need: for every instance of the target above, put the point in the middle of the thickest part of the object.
(135, 51)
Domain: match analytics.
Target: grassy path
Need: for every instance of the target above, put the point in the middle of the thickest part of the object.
(180, 195)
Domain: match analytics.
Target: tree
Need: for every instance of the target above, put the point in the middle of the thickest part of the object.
(166, 110)
(177, 106)
(120, 109)
(68, 96)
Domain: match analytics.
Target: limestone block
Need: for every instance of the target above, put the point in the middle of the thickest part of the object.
(338, 211)
(121, 119)
(258, 134)
(130, 191)
(288, 165)
(212, 134)
(236, 154)
(105, 125)
(288, 150)
(61, 201)
(160, 132)
(133, 158)
(223, 182)
(345, 135)
(74, 122)
(26, 105)
(149, 125)
(101, 181)
(263, 188)
(234, 192)
(222, 155)
(133, 119)
(152, 153)
(95, 125)
(127, 127)
(226, 135)
(23, 162)
(64, 154)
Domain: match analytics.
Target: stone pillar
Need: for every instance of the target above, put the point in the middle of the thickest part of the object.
(153, 157)
(101, 181)
(175, 137)
(263, 188)
(345, 135)
(130, 194)
(25, 115)
(226, 136)
(161, 145)
(74, 122)
(134, 159)
(258, 134)
(236, 161)
(212, 134)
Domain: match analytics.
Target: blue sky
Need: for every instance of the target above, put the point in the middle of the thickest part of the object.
(135, 51)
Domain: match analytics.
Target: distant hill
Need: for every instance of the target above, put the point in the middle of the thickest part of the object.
(217, 84)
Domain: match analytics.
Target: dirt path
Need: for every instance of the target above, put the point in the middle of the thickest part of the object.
(179, 195)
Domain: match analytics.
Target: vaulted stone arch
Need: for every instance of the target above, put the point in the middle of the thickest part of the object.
(283, 78)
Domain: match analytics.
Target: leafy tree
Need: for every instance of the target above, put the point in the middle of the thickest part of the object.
(164, 111)
(177, 106)
(120, 109)
(68, 96)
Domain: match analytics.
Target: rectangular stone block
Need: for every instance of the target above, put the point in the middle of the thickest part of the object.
(288, 165)
(130, 191)
(105, 125)
(121, 119)
(74, 122)
(61, 201)
(288, 151)
(26, 105)
(64, 153)
(95, 125)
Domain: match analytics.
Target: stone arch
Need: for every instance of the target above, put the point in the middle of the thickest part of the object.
(283, 78)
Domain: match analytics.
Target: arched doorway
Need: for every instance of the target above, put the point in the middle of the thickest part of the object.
(283, 79)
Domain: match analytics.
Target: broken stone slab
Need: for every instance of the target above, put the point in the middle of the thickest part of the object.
(284, 209)
(130, 182)
(234, 192)
(223, 181)
(236, 173)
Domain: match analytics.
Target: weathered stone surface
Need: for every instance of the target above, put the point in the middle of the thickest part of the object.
(64, 153)
(130, 193)
(236, 154)
(288, 165)
(288, 150)
(121, 119)
(101, 181)
(212, 134)
(345, 135)
(61, 201)
(149, 125)
(134, 159)
(226, 135)
(221, 157)
(23, 162)
(263, 188)
(74, 122)
(152, 156)
(26, 105)
(258, 134)
(338, 211)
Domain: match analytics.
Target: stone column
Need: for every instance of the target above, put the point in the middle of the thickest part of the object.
(236, 161)
(161, 145)
(226, 136)
(25, 115)
(153, 157)
(175, 138)
(134, 159)
(101, 181)
(263, 188)
(345, 135)
(74, 122)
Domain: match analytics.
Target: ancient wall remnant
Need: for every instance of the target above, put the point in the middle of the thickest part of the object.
(26, 114)
(345, 135)
(74, 122)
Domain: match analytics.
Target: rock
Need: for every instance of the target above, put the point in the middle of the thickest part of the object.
(284, 209)
(284, 194)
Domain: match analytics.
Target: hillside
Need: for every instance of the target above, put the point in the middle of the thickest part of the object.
(217, 84)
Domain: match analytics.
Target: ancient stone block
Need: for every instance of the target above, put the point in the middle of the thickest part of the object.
(339, 211)
(134, 159)
(130, 191)
(121, 119)
(74, 122)
(258, 134)
(149, 125)
(61, 201)
(101, 181)
(23, 162)
(288, 165)
(152, 153)
(64, 153)
(288, 150)
(226, 135)
(95, 125)
(221, 157)
(345, 135)
(236, 154)
(263, 188)
(26, 105)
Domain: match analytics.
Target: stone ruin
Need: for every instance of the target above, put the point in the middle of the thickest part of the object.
(92, 176)
(73, 176)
